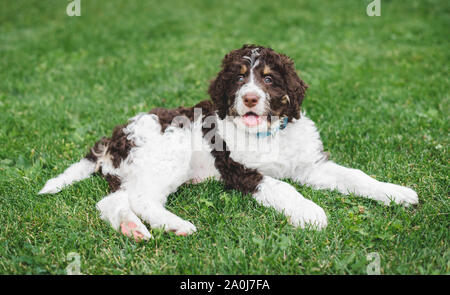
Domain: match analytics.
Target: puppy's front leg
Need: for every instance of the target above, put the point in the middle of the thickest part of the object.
(286, 199)
(329, 175)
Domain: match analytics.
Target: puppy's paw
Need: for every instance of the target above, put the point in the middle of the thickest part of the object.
(138, 231)
(184, 228)
(405, 196)
(52, 186)
(307, 214)
(284, 198)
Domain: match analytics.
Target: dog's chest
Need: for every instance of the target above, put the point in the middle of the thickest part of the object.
(280, 154)
(266, 154)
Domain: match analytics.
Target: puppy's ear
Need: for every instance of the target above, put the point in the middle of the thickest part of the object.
(221, 89)
(217, 92)
(296, 87)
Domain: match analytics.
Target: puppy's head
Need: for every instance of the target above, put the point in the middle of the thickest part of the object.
(256, 84)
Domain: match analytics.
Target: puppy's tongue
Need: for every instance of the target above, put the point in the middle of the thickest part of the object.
(251, 120)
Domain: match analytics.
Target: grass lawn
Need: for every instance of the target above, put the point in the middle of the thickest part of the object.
(379, 92)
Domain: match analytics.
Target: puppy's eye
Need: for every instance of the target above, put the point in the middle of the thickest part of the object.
(268, 80)
(240, 79)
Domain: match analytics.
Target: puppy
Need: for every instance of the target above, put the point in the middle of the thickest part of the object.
(249, 135)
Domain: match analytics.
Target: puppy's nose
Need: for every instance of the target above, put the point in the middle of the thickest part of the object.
(251, 99)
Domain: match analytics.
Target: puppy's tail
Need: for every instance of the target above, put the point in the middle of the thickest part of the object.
(78, 171)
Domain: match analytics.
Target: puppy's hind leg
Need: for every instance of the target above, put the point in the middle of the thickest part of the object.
(115, 209)
(161, 163)
(75, 172)
(151, 189)
(159, 217)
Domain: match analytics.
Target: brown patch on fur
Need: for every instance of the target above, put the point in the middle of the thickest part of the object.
(113, 182)
(266, 70)
(98, 149)
(166, 116)
(235, 175)
(120, 146)
(117, 147)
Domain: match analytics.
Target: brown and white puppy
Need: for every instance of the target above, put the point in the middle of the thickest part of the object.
(252, 134)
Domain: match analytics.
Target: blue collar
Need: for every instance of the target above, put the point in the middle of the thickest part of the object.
(283, 125)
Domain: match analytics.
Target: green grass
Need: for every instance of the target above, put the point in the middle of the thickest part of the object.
(379, 92)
